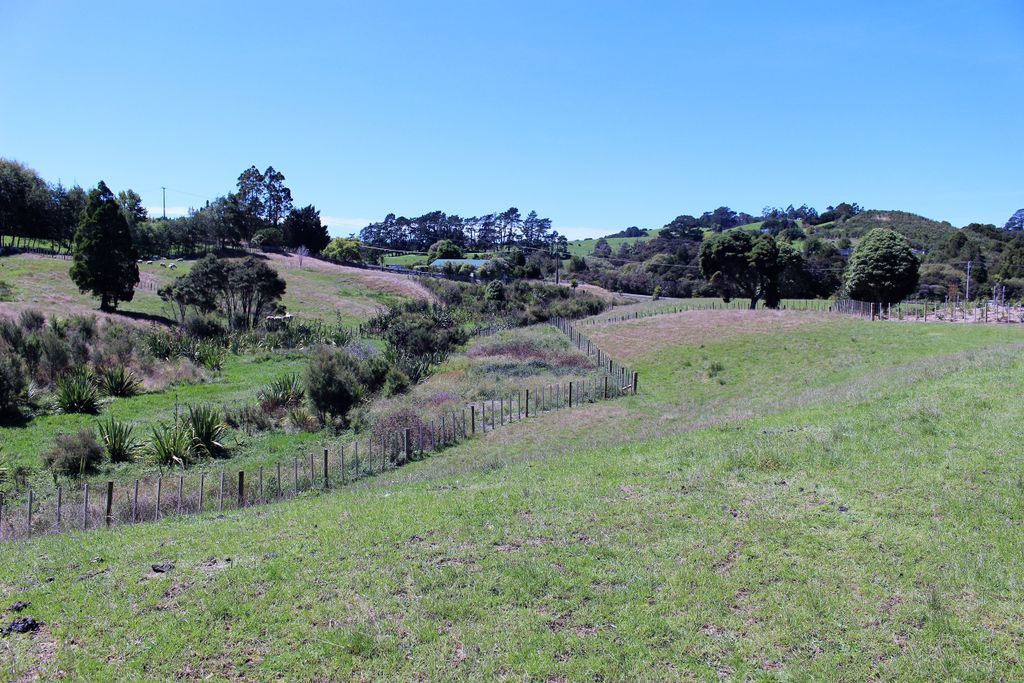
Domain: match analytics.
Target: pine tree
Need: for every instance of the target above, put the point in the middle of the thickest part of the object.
(105, 259)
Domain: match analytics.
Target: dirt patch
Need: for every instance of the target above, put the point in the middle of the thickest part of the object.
(637, 338)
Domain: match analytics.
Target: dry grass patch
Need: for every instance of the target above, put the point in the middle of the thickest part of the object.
(628, 340)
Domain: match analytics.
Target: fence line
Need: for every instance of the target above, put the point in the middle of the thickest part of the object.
(93, 505)
(949, 311)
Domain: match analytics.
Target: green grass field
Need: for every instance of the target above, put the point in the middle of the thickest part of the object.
(791, 496)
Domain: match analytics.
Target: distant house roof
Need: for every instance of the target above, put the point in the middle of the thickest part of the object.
(457, 262)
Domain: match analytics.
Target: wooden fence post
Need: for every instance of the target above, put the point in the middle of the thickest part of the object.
(606, 387)
(60, 503)
(109, 516)
(408, 444)
(570, 394)
(159, 485)
(85, 506)
(327, 478)
(202, 490)
(636, 381)
(241, 489)
(527, 403)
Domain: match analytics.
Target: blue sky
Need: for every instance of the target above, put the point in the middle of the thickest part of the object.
(599, 115)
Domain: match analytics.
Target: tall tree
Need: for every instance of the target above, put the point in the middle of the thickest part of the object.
(249, 203)
(24, 201)
(104, 261)
(132, 208)
(882, 268)
(302, 227)
(277, 198)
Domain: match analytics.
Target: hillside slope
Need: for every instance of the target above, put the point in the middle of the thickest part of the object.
(923, 233)
(791, 496)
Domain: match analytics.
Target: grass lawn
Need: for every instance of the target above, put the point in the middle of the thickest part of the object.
(790, 497)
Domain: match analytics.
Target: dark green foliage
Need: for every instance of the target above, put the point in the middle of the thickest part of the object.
(244, 292)
(118, 439)
(76, 393)
(395, 381)
(118, 381)
(13, 379)
(283, 392)
(268, 239)
(494, 291)
(737, 263)
(104, 255)
(342, 249)
(74, 455)
(882, 268)
(207, 429)
(171, 445)
(333, 382)
(420, 336)
(525, 303)
(302, 228)
(444, 249)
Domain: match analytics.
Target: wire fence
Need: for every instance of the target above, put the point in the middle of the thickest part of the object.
(336, 463)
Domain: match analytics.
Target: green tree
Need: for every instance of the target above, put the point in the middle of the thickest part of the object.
(342, 249)
(302, 228)
(738, 263)
(882, 268)
(444, 249)
(132, 208)
(104, 261)
(333, 382)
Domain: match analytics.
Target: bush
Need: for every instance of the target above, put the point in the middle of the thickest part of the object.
(283, 392)
(118, 440)
(656, 294)
(31, 320)
(76, 393)
(13, 380)
(207, 428)
(395, 381)
(118, 381)
(74, 455)
(204, 327)
(171, 445)
(333, 382)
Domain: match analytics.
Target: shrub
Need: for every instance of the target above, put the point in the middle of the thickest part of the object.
(55, 356)
(204, 327)
(395, 381)
(31, 320)
(302, 420)
(118, 381)
(250, 417)
(210, 355)
(13, 380)
(656, 294)
(494, 291)
(118, 440)
(207, 429)
(74, 455)
(281, 393)
(76, 393)
(332, 382)
(171, 445)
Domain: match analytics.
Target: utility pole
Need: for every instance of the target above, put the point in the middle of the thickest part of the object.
(967, 296)
(164, 189)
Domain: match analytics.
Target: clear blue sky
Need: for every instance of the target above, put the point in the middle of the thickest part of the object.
(599, 115)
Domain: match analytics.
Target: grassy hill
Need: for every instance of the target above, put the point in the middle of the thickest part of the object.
(923, 233)
(586, 247)
(790, 496)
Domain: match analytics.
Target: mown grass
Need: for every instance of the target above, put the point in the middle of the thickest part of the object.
(864, 523)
